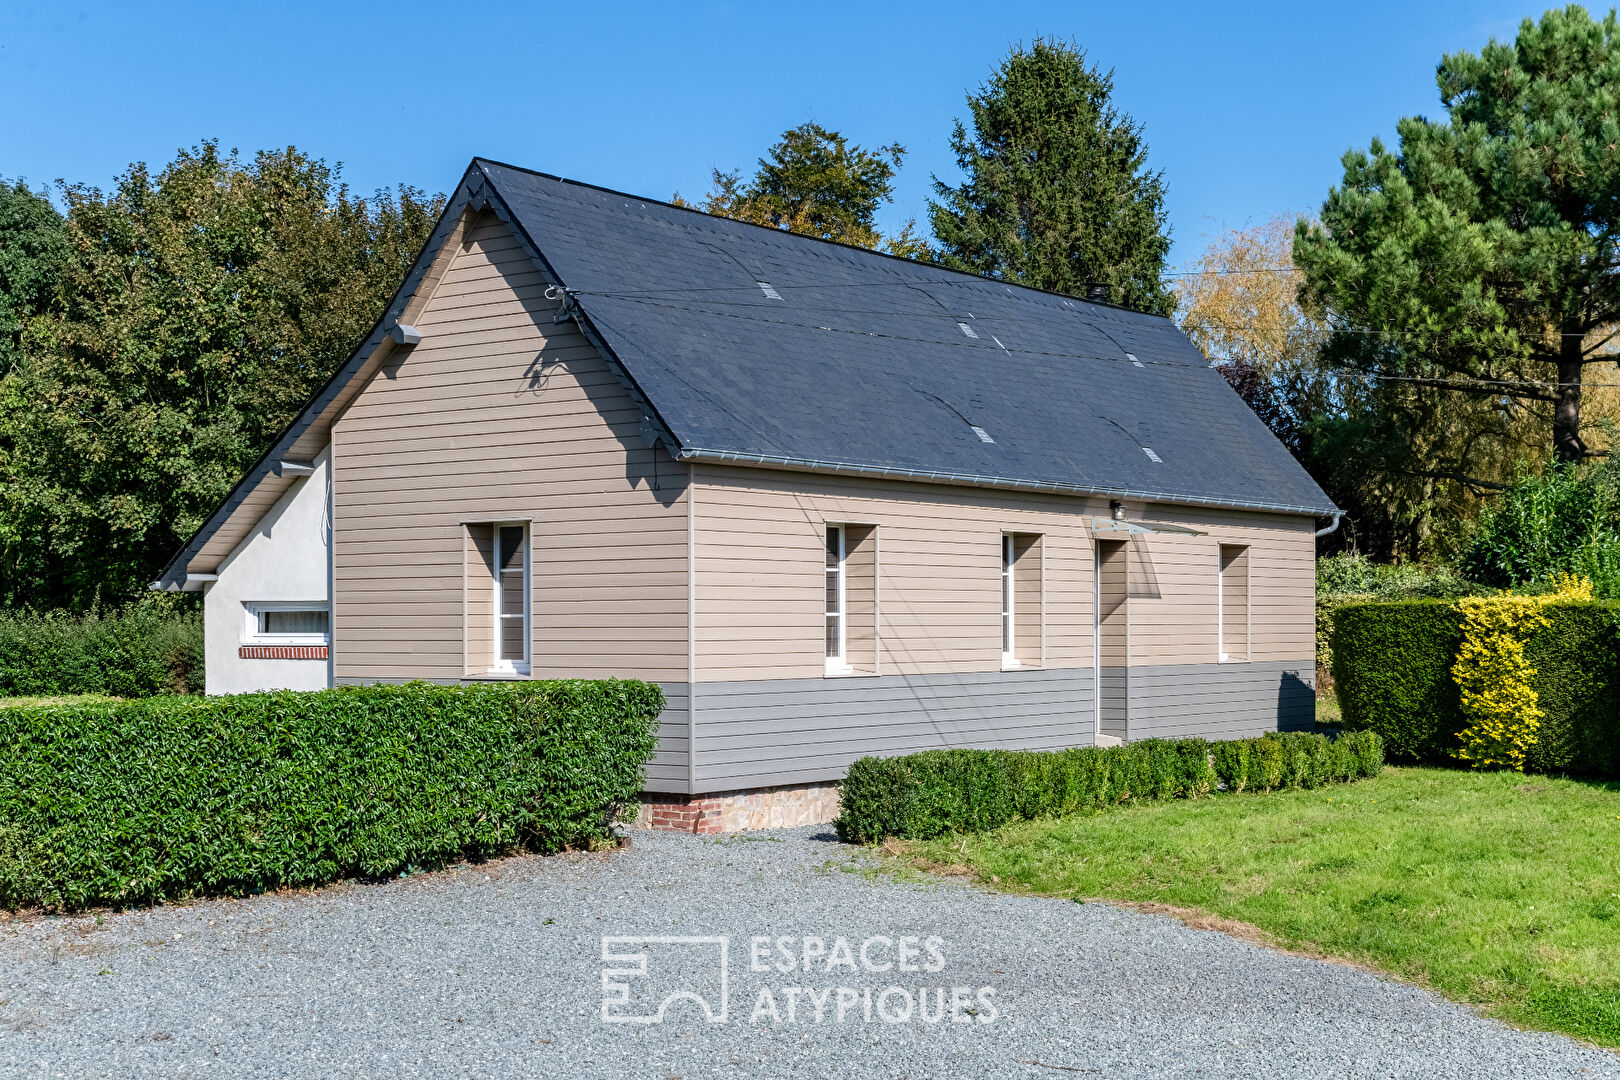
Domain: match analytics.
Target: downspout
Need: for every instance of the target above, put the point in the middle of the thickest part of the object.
(1338, 516)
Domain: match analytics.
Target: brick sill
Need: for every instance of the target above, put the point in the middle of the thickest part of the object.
(282, 652)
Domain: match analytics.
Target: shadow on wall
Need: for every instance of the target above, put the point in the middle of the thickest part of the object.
(1296, 703)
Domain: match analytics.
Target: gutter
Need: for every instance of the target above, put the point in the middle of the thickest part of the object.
(1338, 516)
(940, 476)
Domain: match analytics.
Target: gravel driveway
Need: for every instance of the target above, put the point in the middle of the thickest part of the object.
(497, 971)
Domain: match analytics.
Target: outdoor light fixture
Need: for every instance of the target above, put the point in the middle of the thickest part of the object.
(1117, 509)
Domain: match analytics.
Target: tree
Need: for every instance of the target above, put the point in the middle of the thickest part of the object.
(1239, 306)
(1390, 453)
(1564, 521)
(32, 246)
(1057, 194)
(195, 311)
(817, 183)
(1480, 261)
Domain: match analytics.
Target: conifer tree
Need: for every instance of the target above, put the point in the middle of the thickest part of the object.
(1057, 192)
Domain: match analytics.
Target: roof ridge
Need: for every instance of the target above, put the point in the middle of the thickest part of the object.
(798, 237)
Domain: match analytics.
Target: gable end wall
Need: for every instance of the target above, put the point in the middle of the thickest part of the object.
(499, 414)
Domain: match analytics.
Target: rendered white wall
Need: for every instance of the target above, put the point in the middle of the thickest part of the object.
(286, 557)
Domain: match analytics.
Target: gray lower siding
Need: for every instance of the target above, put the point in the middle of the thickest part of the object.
(796, 731)
(667, 771)
(800, 731)
(1221, 701)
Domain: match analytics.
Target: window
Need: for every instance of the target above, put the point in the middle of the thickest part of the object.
(288, 623)
(497, 591)
(1021, 597)
(511, 599)
(1232, 603)
(1009, 654)
(837, 624)
(850, 599)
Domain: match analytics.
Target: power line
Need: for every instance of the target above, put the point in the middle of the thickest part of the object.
(676, 294)
(998, 346)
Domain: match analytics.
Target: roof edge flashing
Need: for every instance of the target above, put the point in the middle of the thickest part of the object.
(936, 476)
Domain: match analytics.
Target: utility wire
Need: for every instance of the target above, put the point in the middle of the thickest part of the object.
(992, 347)
(673, 295)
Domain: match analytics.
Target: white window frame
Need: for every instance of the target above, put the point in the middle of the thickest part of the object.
(1009, 612)
(837, 664)
(499, 666)
(251, 635)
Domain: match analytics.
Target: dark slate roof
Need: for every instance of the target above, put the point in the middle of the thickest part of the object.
(863, 363)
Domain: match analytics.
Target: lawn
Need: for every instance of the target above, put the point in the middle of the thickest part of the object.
(1496, 889)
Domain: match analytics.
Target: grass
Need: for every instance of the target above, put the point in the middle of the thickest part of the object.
(1327, 711)
(60, 699)
(1495, 889)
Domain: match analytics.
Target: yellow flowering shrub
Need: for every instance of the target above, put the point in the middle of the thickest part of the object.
(1494, 676)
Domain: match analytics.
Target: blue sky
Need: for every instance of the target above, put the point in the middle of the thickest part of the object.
(1247, 107)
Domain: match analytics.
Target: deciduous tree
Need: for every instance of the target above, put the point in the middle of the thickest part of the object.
(195, 311)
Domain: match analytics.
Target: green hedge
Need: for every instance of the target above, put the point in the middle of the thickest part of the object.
(133, 653)
(170, 797)
(937, 792)
(1392, 670)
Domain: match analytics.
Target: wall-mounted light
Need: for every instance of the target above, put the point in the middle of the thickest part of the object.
(1116, 509)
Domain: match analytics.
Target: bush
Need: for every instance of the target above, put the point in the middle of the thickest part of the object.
(169, 797)
(1392, 671)
(1353, 579)
(937, 792)
(1563, 520)
(1355, 575)
(1392, 667)
(134, 653)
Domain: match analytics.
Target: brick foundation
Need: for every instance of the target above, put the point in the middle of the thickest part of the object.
(737, 811)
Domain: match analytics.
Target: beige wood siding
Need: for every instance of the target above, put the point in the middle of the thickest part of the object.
(501, 415)
(759, 590)
(759, 553)
(1174, 582)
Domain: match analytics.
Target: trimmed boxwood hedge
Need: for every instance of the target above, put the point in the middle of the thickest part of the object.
(172, 797)
(1392, 670)
(937, 792)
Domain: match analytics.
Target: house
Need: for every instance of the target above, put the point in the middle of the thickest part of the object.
(837, 503)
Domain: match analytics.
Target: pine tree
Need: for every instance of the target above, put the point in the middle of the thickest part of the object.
(1480, 260)
(1057, 193)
